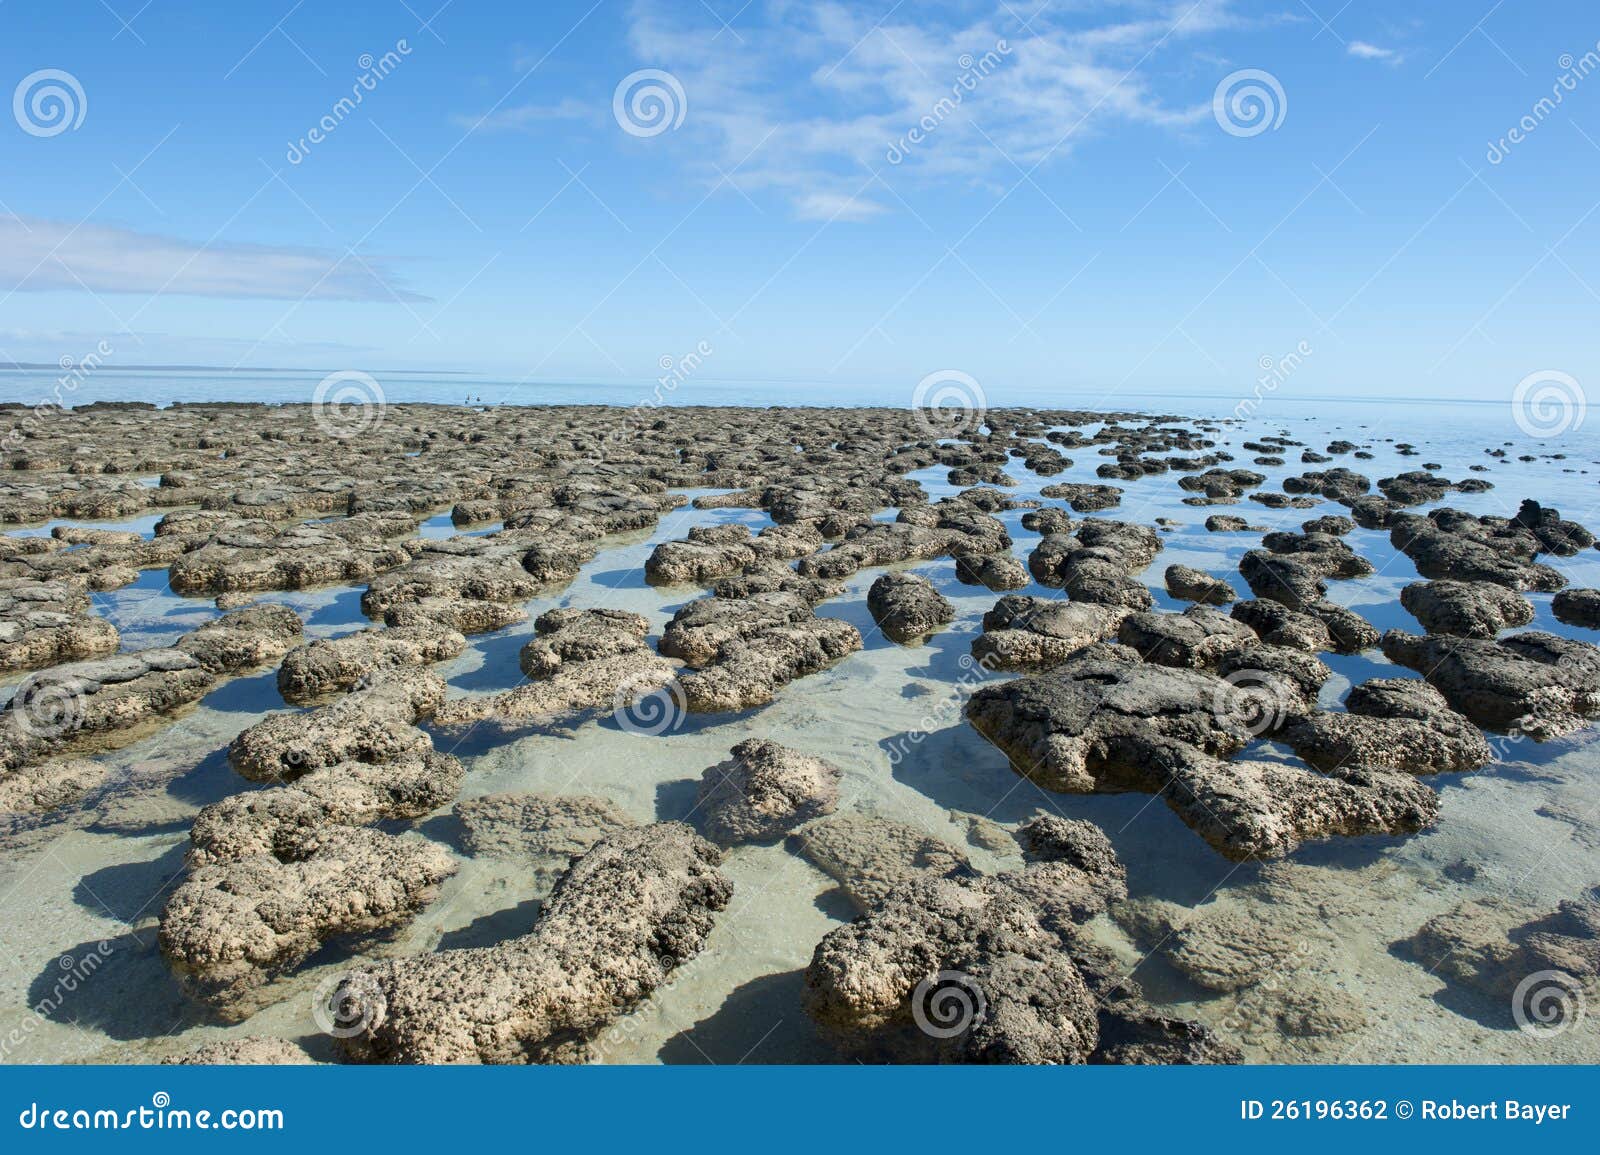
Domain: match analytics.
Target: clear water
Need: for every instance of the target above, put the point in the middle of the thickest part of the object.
(890, 717)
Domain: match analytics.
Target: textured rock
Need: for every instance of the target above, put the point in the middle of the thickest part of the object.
(1531, 683)
(763, 791)
(45, 623)
(951, 973)
(1028, 633)
(1096, 563)
(1192, 585)
(994, 571)
(1193, 639)
(630, 911)
(1468, 609)
(870, 856)
(537, 826)
(49, 786)
(1400, 723)
(907, 607)
(573, 635)
(250, 1051)
(1576, 608)
(229, 928)
(1102, 723)
(374, 724)
(1493, 945)
(281, 820)
(749, 670)
(314, 672)
(1455, 546)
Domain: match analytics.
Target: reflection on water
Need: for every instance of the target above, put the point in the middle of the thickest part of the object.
(890, 717)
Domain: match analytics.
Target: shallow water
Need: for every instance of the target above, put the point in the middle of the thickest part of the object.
(890, 717)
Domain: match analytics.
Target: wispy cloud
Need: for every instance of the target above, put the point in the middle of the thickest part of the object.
(38, 254)
(811, 100)
(530, 117)
(1366, 51)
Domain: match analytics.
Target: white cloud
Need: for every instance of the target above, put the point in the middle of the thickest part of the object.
(811, 99)
(528, 117)
(827, 206)
(1365, 51)
(39, 254)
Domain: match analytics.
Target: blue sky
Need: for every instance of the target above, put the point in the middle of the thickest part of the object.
(1082, 219)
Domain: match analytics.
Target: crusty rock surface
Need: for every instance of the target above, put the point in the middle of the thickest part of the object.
(1474, 609)
(1530, 683)
(537, 826)
(761, 657)
(1030, 633)
(1191, 585)
(1451, 545)
(45, 623)
(48, 786)
(278, 821)
(1194, 639)
(907, 607)
(763, 791)
(581, 635)
(950, 973)
(869, 855)
(1399, 723)
(1575, 608)
(323, 668)
(229, 928)
(1494, 944)
(630, 911)
(1097, 561)
(377, 723)
(1102, 722)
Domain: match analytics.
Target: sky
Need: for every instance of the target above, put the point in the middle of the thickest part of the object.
(1393, 199)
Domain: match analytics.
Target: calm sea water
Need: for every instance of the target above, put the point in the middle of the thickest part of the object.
(1400, 415)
